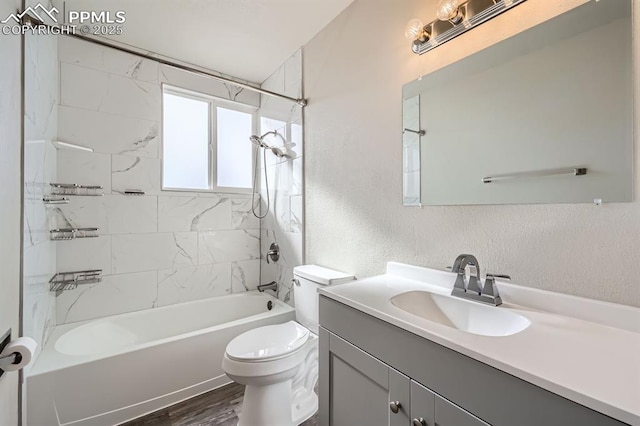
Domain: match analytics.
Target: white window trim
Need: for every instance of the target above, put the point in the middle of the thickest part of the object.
(213, 102)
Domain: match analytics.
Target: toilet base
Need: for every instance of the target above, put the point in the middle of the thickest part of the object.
(277, 405)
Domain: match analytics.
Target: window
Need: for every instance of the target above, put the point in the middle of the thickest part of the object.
(205, 144)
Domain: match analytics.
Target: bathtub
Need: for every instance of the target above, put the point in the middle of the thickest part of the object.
(106, 371)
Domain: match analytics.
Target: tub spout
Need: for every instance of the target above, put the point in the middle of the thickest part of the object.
(271, 286)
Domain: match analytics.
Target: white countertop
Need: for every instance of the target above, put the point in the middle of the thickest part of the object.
(584, 350)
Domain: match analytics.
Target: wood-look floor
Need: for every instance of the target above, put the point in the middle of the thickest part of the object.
(216, 408)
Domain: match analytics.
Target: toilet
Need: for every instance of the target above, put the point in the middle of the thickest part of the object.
(278, 364)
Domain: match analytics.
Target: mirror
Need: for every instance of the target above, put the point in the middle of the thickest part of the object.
(542, 117)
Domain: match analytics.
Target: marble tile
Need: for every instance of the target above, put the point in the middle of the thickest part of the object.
(296, 216)
(290, 244)
(39, 303)
(109, 133)
(41, 86)
(245, 275)
(242, 216)
(84, 253)
(85, 88)
(194, 213)
(228, 246)
(186, 283)
(285, 285)
(116, 294)
(40, 127)
(82, 212)
(84, 168)
(209, 86)
(39, 169)
(112, 214)
(141, 173)
(79, 52)
(290, 256)
(130, 214)
(147, 252)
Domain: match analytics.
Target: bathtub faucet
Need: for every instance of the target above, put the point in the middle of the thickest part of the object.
(271, 286)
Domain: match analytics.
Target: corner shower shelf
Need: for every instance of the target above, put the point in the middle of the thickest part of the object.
(55, 199)
(73, 233)
(75, 189)
(71, 280)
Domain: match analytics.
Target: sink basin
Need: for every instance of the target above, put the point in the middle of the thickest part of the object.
(471, 317)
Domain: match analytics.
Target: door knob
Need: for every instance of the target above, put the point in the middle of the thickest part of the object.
(419, 422)
(394, 406)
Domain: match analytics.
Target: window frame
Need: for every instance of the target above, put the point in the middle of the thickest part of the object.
(213, 103)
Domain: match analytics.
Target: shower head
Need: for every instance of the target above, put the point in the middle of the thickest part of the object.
(256, 140)
(281, 152)
(259, 140)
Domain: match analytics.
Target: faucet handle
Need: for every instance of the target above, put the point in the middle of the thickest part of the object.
(490, 289)
(503, 276)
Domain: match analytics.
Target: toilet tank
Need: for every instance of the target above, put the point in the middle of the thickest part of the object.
(307, 280)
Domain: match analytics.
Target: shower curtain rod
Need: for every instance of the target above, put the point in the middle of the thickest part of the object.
(30, 20)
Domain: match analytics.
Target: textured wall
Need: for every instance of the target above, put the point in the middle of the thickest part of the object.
(354, 71)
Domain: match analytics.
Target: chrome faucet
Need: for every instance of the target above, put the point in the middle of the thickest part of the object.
(271, 286)
(474, 289)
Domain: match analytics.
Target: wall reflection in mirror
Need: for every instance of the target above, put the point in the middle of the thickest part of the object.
(542, 117)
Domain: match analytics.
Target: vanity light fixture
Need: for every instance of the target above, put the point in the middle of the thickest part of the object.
(455, 17)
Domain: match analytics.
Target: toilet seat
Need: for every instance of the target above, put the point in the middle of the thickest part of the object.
(268, 343)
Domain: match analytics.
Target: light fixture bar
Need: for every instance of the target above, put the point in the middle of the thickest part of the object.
(465, 25)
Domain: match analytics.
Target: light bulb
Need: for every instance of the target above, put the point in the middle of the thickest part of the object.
(449, 10)
(413, 29)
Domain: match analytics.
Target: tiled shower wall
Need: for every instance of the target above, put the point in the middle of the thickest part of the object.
(160, 248)
(40, 128)
(284, 222)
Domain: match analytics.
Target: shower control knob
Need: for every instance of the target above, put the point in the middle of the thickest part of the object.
(394, 406)
(419, 422)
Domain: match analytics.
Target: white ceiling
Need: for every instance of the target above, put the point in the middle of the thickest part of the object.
(248, 39)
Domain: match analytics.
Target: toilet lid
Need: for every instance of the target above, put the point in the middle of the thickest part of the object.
(268, 342)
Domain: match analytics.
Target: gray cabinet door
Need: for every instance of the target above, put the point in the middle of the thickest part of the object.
(399, 392)
(423, 404)
(358, 386)
(448, 414)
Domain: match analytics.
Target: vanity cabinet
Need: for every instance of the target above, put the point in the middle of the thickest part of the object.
(361, 387)
(367, 364)
(364, 390)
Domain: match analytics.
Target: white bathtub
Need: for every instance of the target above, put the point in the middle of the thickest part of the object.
(106, 371)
